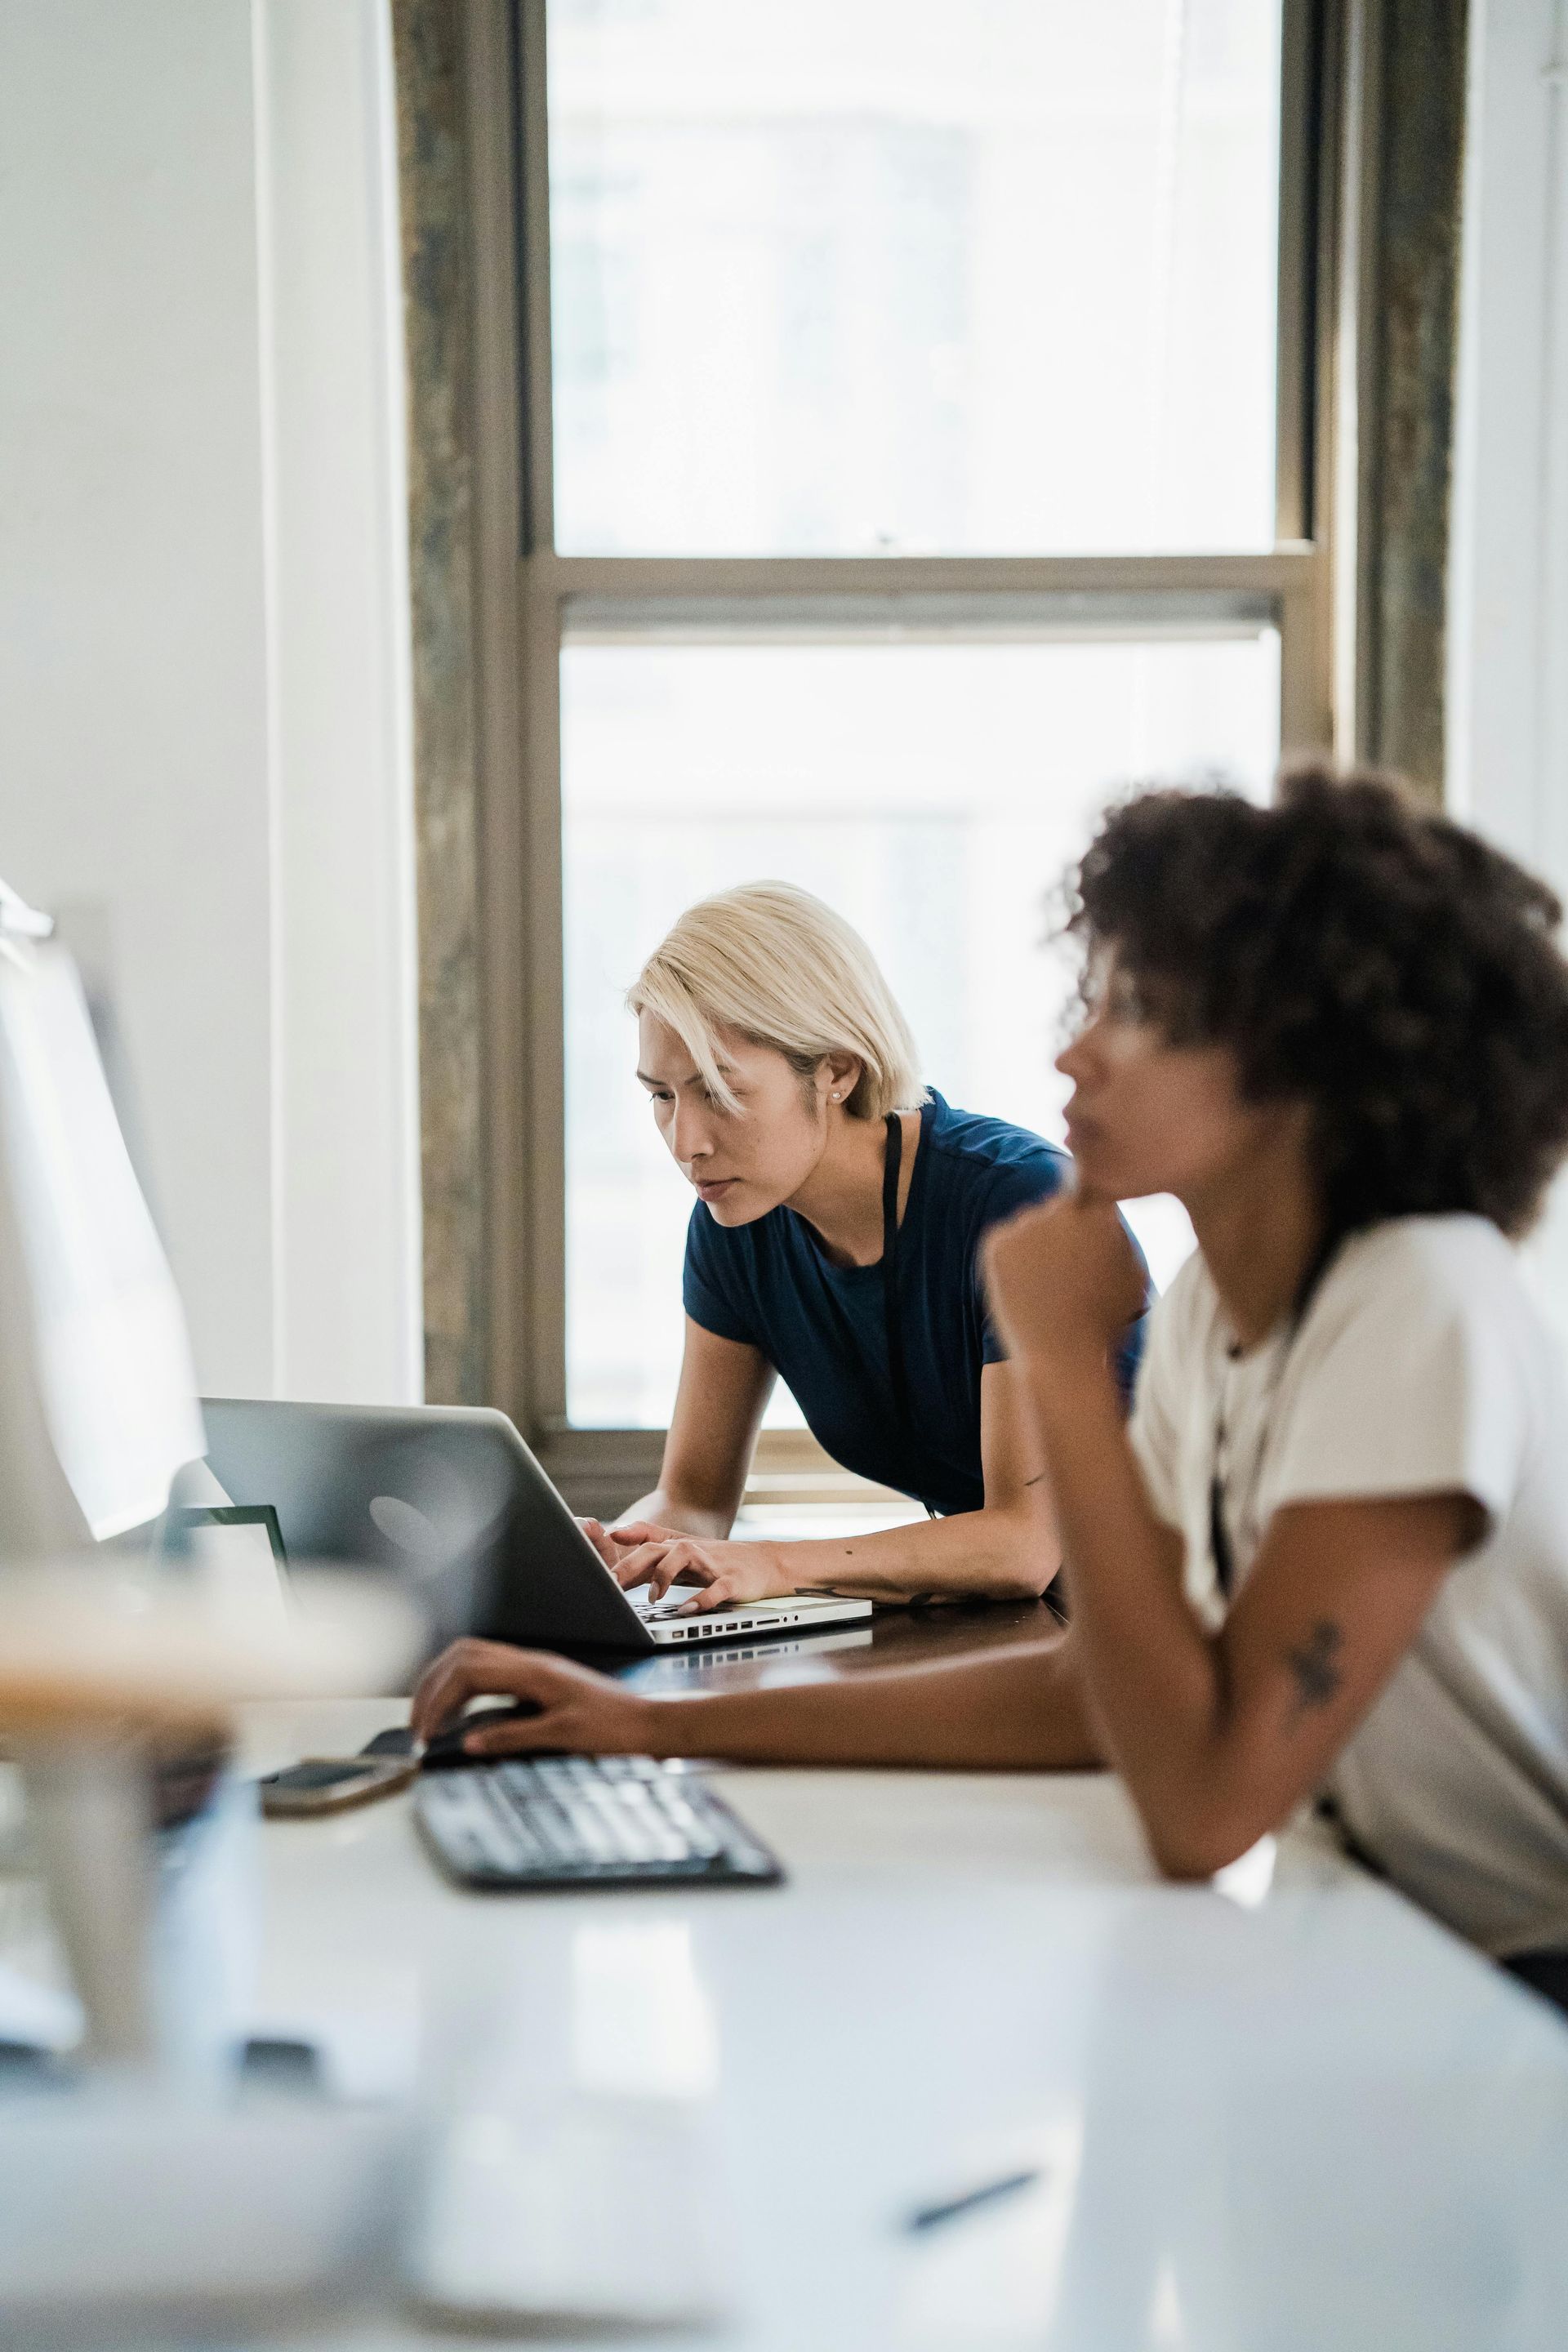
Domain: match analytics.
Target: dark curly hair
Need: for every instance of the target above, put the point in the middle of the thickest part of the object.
(1359, 953)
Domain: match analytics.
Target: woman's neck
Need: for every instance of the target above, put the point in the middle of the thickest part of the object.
(1260, 1230)
(842, 1197)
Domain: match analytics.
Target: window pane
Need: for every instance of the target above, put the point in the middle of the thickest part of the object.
(860, 276)
(933, 794)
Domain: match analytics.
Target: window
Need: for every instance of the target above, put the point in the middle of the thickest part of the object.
(906, 277)
(919, 451)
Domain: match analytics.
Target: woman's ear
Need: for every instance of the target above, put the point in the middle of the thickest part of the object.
(839, 1076)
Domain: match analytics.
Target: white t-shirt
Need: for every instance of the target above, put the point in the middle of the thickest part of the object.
(1421, 1367)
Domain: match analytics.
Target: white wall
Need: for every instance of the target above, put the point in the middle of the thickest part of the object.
(132, 639)
(348, 1300)
(1508, 635)
(202, 667)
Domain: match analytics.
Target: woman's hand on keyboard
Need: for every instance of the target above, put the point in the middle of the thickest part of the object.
(580, 1712)
(603, 1542)
(659, 1557)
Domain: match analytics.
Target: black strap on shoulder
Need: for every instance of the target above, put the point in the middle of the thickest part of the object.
(892, 1160)
(891, 1314)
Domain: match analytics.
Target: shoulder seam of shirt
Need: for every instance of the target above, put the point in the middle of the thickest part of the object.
(1404, 1247)
(989, 1156)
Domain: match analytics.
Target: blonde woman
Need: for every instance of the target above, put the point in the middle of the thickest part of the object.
(835, 1244)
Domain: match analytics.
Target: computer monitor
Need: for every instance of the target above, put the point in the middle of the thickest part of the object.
(98, 1399)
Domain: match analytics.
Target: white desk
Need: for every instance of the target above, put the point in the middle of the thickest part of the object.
(1314, 2126)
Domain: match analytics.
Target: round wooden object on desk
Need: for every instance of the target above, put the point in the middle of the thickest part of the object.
(118, 1681)
(106, 1642)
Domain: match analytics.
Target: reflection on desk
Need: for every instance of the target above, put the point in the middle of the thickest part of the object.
(896, 1637)
(1317, 2123)
(776, 1656)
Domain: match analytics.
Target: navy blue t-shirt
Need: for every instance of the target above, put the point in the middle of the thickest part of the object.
(771, 1286)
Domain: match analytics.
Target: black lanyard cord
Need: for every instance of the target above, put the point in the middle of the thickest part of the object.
(892, 1316)
(1219, 1533)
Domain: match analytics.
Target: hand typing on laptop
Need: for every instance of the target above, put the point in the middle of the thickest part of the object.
(657, 1557)
(645, 1560)
(600, 1537)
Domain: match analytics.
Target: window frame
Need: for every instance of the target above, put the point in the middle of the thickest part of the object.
(525, 591)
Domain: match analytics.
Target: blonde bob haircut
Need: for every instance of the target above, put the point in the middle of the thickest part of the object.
(776, 965)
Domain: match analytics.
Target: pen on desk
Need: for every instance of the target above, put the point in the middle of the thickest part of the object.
(930, 2217)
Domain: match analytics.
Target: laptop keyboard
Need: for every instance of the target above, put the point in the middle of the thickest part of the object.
(586, 1821)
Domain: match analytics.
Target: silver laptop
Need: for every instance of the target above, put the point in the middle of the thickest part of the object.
(451, 1499)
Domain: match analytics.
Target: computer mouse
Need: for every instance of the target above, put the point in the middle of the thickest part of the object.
(446, 1752)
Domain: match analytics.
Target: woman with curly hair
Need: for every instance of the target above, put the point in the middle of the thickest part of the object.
(1330, 1554)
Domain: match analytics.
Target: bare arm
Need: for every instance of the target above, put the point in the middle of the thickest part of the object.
(1218, 1736)
(1013, 1710)
(719, 1406)
(1007, 1551)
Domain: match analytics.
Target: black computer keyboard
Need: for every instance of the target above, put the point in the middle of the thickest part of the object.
(585, 1822)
